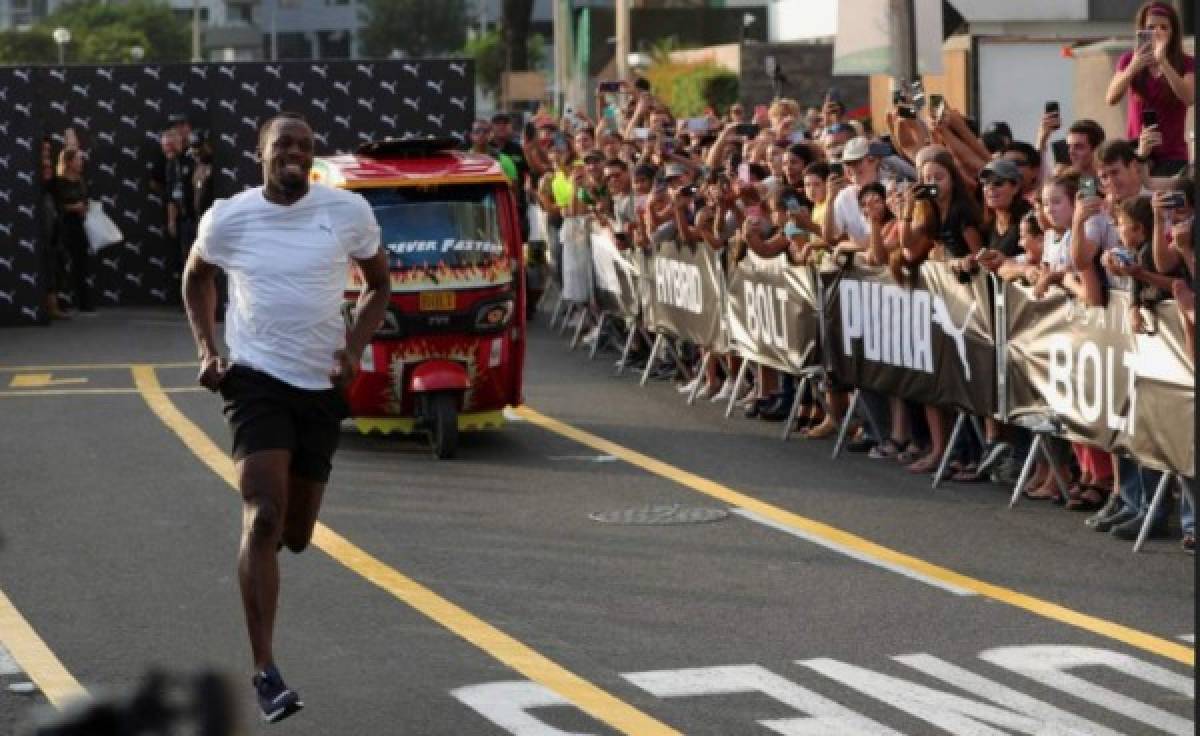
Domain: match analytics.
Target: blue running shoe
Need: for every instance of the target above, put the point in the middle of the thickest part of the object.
(276, 700)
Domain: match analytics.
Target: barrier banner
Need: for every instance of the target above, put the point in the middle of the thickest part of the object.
(616, 276)
(772, 313)
(1164, 387)
(1072, 361)
(930, 342)
(1110, 387)
(687, 293)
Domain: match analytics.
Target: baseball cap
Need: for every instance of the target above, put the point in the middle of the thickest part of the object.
(1001, 168)
(860, 147)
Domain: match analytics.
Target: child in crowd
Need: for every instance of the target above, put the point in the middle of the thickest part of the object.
(1058, 210)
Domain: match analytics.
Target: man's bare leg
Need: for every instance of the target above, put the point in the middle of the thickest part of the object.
(303, 505)
(262, 478)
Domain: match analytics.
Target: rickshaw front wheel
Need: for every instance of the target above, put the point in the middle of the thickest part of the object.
(443, 423)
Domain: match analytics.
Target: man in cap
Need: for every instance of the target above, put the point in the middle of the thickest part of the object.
(861, 159)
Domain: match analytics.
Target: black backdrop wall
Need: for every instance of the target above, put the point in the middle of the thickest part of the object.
(120, 110)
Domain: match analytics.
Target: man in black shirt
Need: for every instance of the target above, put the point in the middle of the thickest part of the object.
(502, 140)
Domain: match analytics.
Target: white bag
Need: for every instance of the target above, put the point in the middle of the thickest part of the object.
(101, 230)
(576, 260)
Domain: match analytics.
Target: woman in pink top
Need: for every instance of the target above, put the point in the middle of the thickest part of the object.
(1159, 77)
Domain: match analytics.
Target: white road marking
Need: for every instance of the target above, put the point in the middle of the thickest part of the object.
(847, 551)
(969, 705)
(505, 703)
(1049, 666)
(8, 665)
(823, 716)
(584, 458)
(952, 713)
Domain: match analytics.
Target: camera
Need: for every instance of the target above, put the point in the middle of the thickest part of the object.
(906, 112)
(1175, 200)
(964, 277)
(918, 94)
(837, 169)
(749, 130)
(1051, 107)
(688, 191)
(926, 191)
(610, 87)
(1149, 118)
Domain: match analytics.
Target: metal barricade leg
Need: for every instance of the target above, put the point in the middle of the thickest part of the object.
(599, 335)
(1159, 492)
(1026, 469)
(583, 314)
(945, 463)
(1058, 479)
(558, 305)
(567, 316)
(737, 385)
(846, 420)
(658, 340)
(977, 425)
(699, 377)
(791, 417)
(633, 331)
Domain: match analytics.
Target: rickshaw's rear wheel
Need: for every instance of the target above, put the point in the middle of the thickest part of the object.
(443, 424)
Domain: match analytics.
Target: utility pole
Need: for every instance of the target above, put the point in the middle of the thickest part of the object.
(622, 9)
(274, 30)
(196, 30)
(904, 36)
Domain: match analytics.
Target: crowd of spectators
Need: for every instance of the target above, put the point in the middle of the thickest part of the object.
(1087, 213)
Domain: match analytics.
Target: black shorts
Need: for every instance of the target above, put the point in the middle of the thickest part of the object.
(265, 413)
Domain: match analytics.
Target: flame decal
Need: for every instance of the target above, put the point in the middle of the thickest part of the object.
(442, 276)
(419, 350)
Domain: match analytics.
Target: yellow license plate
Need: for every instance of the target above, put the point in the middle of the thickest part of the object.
(437, 301)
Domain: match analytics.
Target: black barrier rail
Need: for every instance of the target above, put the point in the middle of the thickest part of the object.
(118, 112)
(978, 347)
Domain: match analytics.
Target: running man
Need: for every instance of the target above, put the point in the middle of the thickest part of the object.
(286, 247)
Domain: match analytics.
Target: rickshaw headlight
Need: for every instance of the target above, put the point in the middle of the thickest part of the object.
(390, 326)
(494, 315)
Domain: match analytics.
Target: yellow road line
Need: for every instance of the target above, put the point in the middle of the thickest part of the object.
(35, 658)
(94, 391)
(587, 697)
(91, 367)
(1047, 609)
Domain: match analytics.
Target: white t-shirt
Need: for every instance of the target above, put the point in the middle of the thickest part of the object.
(1102, 231)
(848, 217)
(1056, 251)
(287, 268)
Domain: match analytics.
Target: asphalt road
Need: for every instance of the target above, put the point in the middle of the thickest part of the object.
(477, 596)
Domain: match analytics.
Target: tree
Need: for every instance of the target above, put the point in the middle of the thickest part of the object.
(413, 27)
(111, 44)
(102, 33)
(489, 54)
(34, 46)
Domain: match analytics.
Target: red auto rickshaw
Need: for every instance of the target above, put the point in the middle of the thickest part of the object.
(451, 351)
